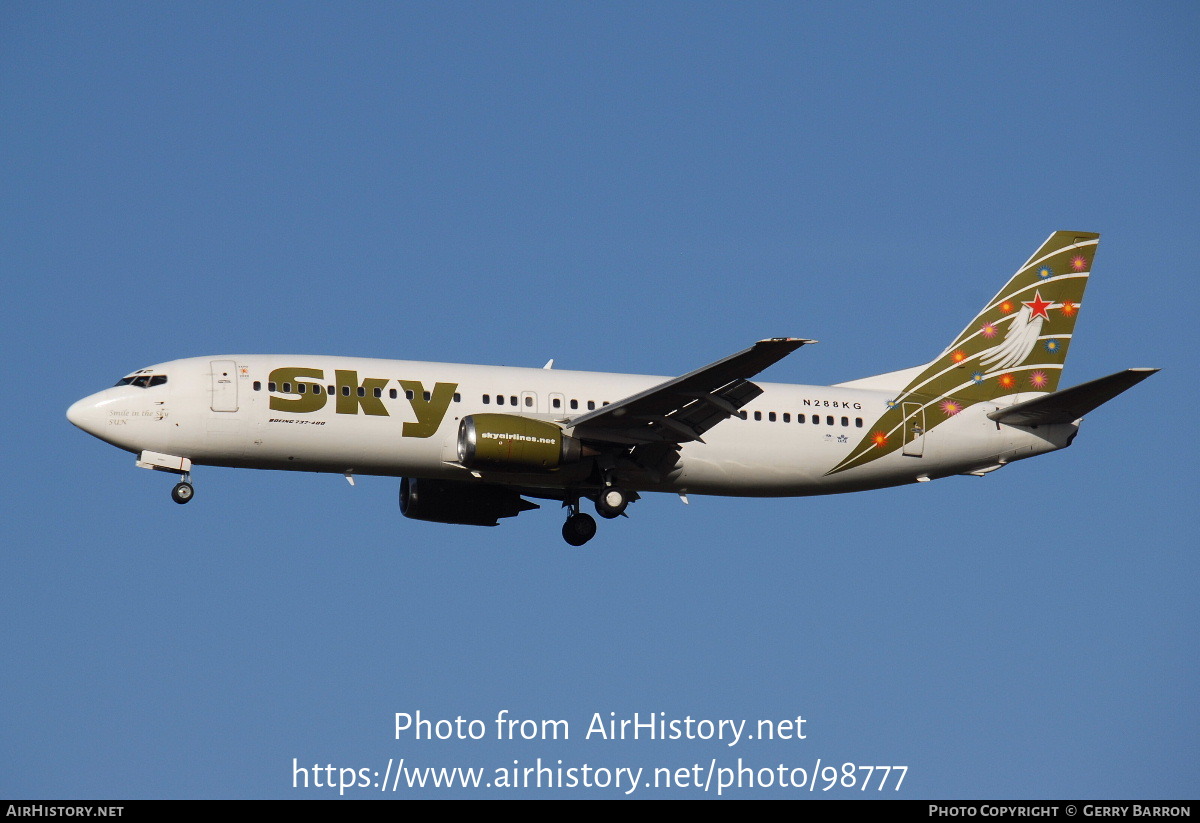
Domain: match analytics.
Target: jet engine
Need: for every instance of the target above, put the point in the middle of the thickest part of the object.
(509, 442)
(465, 504)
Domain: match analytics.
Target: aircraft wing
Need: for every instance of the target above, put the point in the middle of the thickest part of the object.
(1068, 405)
(684, 408)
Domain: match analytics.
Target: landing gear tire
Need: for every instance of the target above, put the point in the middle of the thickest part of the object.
(182, 493)
(611, 502)
(579, 529)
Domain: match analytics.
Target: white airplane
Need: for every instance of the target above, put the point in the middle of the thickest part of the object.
(472, 442)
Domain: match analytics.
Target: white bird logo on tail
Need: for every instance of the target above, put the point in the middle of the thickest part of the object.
(1023, 331)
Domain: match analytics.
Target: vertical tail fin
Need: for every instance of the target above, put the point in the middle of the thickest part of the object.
(1019, 340)
(1016, 344)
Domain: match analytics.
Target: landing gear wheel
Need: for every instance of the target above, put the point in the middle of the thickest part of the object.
(611, 502)
(182, 493)
(579, 529)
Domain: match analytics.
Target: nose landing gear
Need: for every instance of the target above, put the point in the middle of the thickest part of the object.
(182, 466)
(183, 491)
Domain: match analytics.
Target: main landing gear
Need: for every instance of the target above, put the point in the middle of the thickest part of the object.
(611, 501)
(579, 528)
(183, 491)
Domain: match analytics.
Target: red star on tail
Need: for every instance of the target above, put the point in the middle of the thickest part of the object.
(1038, 306)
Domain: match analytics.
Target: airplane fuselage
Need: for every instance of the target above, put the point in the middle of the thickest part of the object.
(401, 418)
(473, 442)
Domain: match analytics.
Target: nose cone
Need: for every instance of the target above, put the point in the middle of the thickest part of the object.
(85, 415)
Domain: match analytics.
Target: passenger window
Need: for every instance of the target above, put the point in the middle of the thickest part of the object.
(287, 388)
(499, 400)
(829, 420)
(591, 405)
(858, 422)
(457, 397)
(574, 404)
(557, 403)
(787, 418)
(345, 391)
(528, 402)
(257, 385)
(742, 415)
(487, 399)
(816, 419)
(300, 388)
(758, 415)
(392, 393)
(512, 400)
(426, 395)
(378, 392)
(799, 418)
(771, 416)
(316, 389)
(362, 391)
(270, 387)
(845, 421)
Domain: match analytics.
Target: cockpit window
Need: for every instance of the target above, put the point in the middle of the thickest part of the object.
(142, 381)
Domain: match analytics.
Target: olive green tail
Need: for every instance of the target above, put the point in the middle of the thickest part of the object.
(1016, 344)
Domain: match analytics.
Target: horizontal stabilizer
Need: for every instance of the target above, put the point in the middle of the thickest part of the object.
(1069, 405)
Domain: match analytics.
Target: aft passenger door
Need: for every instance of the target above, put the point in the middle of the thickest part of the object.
(914, 429)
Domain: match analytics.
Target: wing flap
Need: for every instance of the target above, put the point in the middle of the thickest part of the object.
(1069, 405)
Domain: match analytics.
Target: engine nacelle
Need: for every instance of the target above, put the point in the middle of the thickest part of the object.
(509, 442)
(464, 504)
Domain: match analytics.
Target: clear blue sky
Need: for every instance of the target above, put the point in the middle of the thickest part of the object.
(623, 187)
